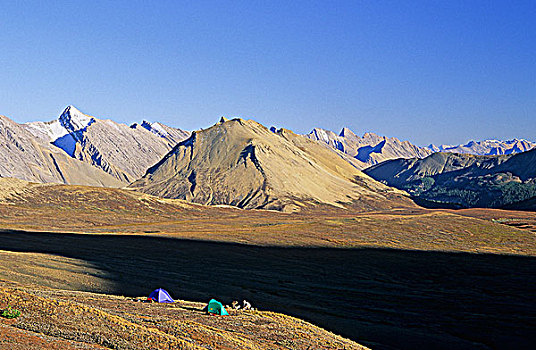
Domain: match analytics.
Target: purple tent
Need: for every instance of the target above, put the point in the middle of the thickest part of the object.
(161, 296)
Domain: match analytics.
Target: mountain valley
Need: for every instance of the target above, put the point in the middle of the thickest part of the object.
(461, 180)
(79, 239)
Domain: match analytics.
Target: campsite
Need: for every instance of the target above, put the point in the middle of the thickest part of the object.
(444, 300)
(67, 320)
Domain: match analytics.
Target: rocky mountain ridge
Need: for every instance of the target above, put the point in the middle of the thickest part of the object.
(119, 150)
(80, 149)
(24, 156)
(238, 162)
(487, 147)
(369, 149)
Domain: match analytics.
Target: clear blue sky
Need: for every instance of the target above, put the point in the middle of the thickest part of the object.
(430, 71)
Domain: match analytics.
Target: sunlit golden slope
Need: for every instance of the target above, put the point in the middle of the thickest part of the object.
(242, 163)
(74, 320)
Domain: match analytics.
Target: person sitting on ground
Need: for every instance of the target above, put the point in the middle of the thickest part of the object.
(235, 305)
(246, 305)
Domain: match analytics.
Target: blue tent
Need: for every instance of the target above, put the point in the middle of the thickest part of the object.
(161, 296)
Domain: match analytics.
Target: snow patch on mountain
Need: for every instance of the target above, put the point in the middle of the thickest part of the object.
(487, 147)
(70, 120)
(156, 128)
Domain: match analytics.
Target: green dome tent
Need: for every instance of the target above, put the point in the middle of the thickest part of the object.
(215, 307)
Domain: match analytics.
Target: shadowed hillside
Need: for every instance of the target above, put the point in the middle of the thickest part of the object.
(386, 299)
(462, 180)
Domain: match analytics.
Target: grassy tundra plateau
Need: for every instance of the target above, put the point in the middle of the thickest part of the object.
(395, 277)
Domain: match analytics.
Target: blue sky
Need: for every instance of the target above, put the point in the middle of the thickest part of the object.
(430, 71)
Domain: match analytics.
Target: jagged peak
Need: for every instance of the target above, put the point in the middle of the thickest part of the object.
(156, 128)
(146, 124)
(370, 134)
(345, 132)
(71, 109)
(317, 129)
(72, 119)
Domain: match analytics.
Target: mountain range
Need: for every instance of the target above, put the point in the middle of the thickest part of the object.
(79, 149)
(369, 149)
(487, 147)
(463, 180)
(244, 164)
(26, 157)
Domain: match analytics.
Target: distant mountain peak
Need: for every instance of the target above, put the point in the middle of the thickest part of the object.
(71, 108)
(121, 151)
(487, 147)
(345, 132)
(371, 134)
(156, 128)
(370, 148)
(72, 119)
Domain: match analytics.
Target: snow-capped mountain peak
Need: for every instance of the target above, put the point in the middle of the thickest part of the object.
(72, 119)
(487, 147)
(321, 134)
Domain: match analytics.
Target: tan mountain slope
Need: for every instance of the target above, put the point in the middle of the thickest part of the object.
(369, 149)
(242, 163)
(122, 151)
(23, 156)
